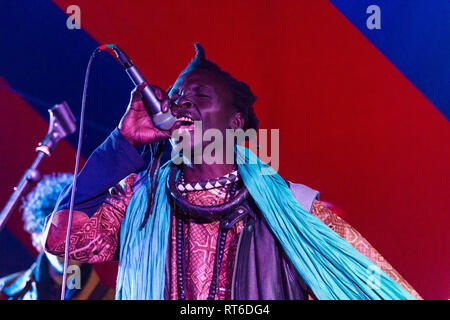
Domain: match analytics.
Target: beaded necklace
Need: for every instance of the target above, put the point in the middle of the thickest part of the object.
(220, 246)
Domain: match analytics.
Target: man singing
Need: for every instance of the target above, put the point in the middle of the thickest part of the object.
(201, 230)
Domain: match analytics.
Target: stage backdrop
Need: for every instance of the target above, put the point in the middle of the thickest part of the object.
(362, 112)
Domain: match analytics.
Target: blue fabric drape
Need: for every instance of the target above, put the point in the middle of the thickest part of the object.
(328, 264)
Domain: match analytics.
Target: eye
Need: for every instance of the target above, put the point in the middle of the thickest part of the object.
(202, 95)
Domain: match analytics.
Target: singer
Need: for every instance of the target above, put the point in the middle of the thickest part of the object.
(211, 231)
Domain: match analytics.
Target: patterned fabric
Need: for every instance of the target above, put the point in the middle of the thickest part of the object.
(113, 209)
(210, 183)
(96, 240)
(201, 241)
(342, 228)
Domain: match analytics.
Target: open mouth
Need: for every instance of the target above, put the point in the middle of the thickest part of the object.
(185, 123)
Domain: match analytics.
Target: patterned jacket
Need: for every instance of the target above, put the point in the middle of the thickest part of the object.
(262, 271)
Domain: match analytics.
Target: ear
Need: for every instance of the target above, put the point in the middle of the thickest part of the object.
(237, 121)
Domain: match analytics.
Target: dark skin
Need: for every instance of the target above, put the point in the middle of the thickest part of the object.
(201, 95)
(210, 103)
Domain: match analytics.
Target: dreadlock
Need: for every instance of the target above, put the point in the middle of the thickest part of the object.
(242, 96)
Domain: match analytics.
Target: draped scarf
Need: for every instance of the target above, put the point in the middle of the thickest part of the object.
(330, 266)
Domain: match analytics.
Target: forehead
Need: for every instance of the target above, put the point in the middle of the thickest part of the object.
(201, 79)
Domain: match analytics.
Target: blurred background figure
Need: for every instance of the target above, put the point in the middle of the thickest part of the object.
(42, 281)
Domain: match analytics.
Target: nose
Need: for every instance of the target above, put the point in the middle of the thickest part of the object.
(183, 102)
(180, 103)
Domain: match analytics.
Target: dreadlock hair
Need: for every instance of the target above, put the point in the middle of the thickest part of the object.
(242, 96)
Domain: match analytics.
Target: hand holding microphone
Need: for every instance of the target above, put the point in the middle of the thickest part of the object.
(136, 125)
(148, 117)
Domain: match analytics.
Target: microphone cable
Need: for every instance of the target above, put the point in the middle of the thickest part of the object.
(77, 163)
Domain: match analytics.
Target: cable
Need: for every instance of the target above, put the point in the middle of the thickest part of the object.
(75, 173)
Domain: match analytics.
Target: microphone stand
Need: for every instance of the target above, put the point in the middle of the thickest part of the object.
(62, 124)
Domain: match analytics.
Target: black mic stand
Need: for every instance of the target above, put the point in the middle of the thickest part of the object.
(62, 124)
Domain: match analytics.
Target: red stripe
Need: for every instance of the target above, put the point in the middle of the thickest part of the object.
(351, 125)
(22, 129)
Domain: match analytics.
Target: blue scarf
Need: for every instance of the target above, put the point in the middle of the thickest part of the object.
(330, 266)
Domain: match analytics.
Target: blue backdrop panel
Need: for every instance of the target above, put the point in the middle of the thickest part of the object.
(43, 58)
(414, 37)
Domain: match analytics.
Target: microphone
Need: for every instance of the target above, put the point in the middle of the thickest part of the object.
(62, 124)
(164, 121)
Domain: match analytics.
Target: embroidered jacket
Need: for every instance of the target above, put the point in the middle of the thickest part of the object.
(261, 271)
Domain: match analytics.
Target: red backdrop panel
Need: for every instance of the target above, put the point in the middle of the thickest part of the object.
(22, 130)
(350, 124)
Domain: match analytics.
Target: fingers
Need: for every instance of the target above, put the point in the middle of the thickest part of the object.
(141, 86)
(165, 106)
(160, 94)
(136, 93)
(162, 135)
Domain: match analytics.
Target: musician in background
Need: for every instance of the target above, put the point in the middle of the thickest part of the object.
(42, 281)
